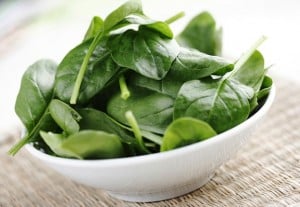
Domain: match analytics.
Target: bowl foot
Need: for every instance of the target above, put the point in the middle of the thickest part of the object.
(160, 195)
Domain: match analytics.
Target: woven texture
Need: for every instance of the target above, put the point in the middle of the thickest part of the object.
(265, 172)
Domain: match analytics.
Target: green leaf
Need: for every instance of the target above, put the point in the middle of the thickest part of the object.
(223, 103)
(45, 123)
(54, 142)
(91, 144)
(128, 8)
(95, 26)
(100, 70)
(144, 51)
(265, 87)
(31, 106)
(152, 110)
(65, 116)
(143, 21)
(201, 33)
(252, 72)
(97, 120)
(189, 65)
(185, 131)
(36, 92)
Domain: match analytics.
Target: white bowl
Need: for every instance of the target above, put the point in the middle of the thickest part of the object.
(158, 176)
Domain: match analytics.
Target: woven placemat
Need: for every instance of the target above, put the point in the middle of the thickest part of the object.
(265, 172)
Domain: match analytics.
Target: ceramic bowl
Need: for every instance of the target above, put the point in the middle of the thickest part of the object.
(158, 176)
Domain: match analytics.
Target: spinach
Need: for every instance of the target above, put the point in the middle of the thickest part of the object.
(141, 21)
(95, 25)
(222, 103)
(129, 89)
(152, 110)
(144, 51)
(85, 144)
(31, 106)
(265, 87)
(185, 131)
(189, 65)
(97, 120)
(36, 92)
(100, 70)
(65, 116)
(54, 141)
(252, 72)
(115, 17)
(202, 34)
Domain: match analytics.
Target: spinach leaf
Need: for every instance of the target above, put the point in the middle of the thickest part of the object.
(97, 120)
(140, 20)
(91, 144)
(65, 116)
(190, 64)
(45, 123)
(100, 70)
(54, 142)
(265, 87)
(95, 26)
(36, 92)
(130, 7)
(88, 144)
(185, 131)
(152, 110)
(144, 51)
(223, 103)
(252, 72)
(201, 33)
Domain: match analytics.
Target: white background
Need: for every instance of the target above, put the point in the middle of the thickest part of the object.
(63, 25)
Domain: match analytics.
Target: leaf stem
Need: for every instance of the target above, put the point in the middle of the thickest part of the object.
(152, 137)
(84, 67)
(175, 17)
(13, 151)
(125, 93)
(136, 131)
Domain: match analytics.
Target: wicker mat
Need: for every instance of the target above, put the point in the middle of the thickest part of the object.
(265, 172)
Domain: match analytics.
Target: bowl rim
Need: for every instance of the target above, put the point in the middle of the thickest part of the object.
(113, 162)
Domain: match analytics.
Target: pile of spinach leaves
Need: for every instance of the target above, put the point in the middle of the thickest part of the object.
(132, 88)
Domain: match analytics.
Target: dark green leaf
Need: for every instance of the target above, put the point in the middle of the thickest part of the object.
(185, 131)
(92, 144)
(189, 65)
(265, 87)
(223, 103)
(101, 69)
(98, 120)
(36, 92)
(45, 123)
(128, 8)
(65, 116)
(153, 111)
(201, 33)
(144, 51)
(252, 72)
(141, 21)
(95, 26)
